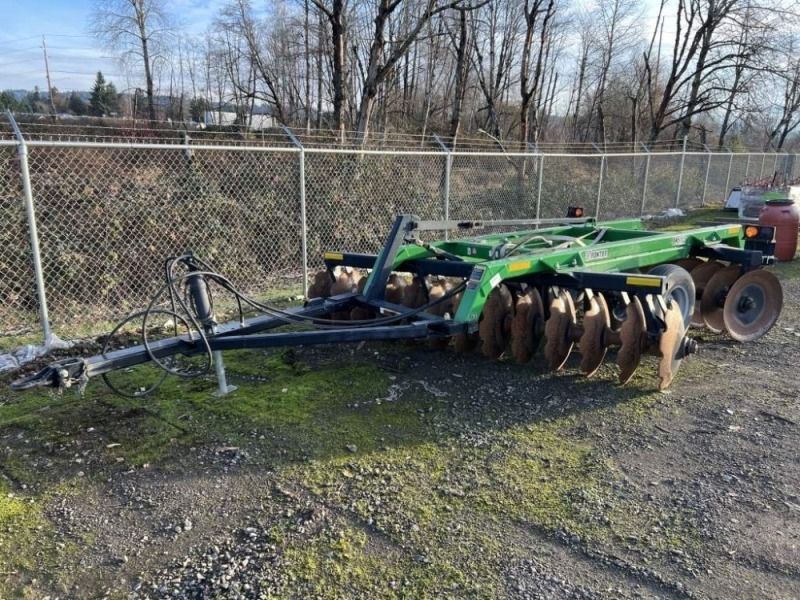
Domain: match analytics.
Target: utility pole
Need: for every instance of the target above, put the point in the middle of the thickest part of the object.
(49, 85)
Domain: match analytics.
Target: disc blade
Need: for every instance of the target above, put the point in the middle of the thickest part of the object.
(713, 298)
(700, 275)
(753, 305)
(527, 326)
(557, 330)
(321, 287)
(437, 291)
(596, 321)
(669, 346)
(395, 286)
(492, 329)
(632, 337)
(688, 263)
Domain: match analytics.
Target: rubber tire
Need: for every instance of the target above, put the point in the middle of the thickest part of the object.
(680, 288)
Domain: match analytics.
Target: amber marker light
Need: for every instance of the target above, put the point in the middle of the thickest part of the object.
(751, 232)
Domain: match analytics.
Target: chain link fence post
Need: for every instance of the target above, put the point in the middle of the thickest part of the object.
(600, 181)
(646, 175)
(22, 150)
(680, 175)
(708, 170)
(728, 179)
(303, 220)
(448, 165)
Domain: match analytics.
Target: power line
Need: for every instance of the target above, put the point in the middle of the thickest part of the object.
(20, 50)
(18, 40)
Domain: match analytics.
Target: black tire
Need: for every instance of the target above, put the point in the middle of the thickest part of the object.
(680, 288)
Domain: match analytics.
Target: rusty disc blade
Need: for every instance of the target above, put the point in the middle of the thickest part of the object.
(753, 305)
(596, 321)
(493, 330)
(321, 287)
(557, 330)
(527, 326)
(395, 286)
(465, 343)
(712, 301)
(631, 335)
(414, 294)
(669, 346)
(700, 275)
(688, 264)
(436, 292)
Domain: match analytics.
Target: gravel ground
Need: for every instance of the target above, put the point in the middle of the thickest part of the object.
(475, 480)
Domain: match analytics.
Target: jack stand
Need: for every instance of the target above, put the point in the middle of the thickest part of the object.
(222, 382)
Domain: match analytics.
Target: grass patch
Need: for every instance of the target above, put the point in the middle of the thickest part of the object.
(27, 547)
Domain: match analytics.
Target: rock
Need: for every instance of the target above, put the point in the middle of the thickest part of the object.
(352, 448)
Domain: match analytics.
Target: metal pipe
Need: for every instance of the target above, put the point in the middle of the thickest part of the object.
(303, 219)
(222, 381)
(728, 180)
(705, 184)
(448, 165)
(600, 186)
(539, 192)
(22, 150)
(680, 175)
(646, 175)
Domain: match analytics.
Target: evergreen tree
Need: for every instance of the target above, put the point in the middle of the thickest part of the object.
(9, 102)
(34, 102)
(104, 99)
(76, 105)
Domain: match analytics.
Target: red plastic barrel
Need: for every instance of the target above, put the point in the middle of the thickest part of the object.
(784, 216)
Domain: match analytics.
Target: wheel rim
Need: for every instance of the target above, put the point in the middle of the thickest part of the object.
(753, 306)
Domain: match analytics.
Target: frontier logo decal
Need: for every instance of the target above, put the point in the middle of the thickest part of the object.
(679, 240)
(596, 254)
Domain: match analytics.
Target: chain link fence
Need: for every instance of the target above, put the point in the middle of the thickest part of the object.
(109, 214)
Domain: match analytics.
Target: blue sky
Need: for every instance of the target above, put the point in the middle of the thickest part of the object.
(74, 56)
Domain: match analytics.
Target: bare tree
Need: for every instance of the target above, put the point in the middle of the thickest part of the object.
(495, 38)
(336, 13)
(140, 30)
(538, 15)
(460, 46)
(704, 49)
(784, 116)
(382, 59)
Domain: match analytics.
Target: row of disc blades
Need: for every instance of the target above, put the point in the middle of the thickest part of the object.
(516, 320)
(745, 306)
(521, 324)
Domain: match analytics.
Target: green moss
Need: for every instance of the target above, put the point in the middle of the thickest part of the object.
(343, 565)
(27, 547)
